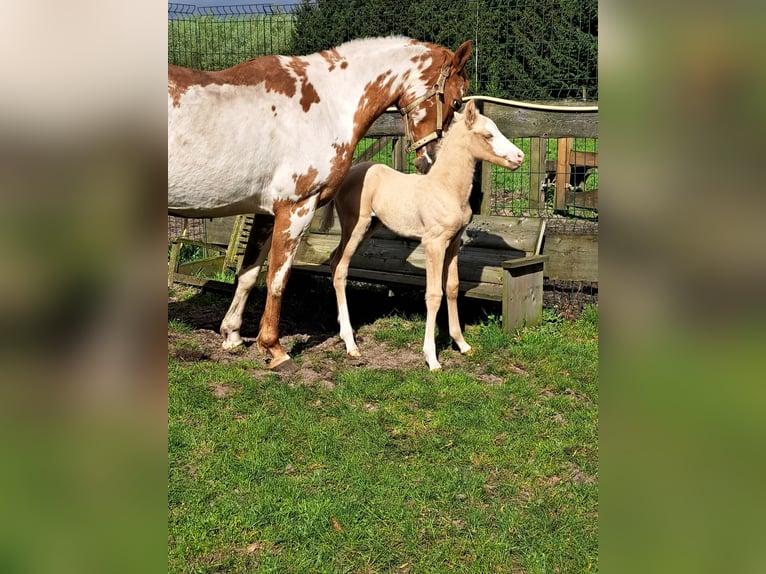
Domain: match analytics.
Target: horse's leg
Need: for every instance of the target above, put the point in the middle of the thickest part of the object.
(351, 239)
(434, 249)
(290, 222)
(452, 285)
(255, 253)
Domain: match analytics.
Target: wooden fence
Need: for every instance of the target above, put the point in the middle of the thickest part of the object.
(572, 250)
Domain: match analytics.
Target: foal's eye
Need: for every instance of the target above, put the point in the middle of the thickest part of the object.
(456, 105)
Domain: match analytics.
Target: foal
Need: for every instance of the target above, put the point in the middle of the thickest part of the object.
(433, 208)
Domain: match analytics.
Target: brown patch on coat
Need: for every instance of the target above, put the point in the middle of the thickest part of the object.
(377, 96)
(305, 183)
(334, 59)
(309, 94)
(266, 70)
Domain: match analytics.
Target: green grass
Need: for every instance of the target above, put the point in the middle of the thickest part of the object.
(488, 468)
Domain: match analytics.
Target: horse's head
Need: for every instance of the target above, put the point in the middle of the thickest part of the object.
(486, 141)
(428, 114)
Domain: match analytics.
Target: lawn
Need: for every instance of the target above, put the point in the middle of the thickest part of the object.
(376, 464)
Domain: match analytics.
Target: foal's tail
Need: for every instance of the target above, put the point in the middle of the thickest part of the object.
(328, 217)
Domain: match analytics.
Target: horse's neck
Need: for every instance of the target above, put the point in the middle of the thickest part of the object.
(454, 168)
(392, 84)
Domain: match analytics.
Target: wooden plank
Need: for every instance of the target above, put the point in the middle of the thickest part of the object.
(573, 256)
(583, 158)
(389, 124)
(207, 266)
(485, 176)
(521, 122)
(492, 231)
(399, 154)
(218, 229)
(204, 283)
(513, 122)
(486, 291)
(563, 172)
(587, 199)
(403, 256)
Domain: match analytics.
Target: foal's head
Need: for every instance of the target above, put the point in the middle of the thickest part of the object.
(485, 140)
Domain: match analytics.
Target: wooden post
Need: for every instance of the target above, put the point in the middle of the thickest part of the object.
(175, 254)
(536, 176)
(523, 292)
(563, 172)
(486, 187)
(399, 154)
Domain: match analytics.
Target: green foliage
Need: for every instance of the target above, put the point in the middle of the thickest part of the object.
(214, 43)
(531, 50)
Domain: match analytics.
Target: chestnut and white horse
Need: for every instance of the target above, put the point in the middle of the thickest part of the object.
(433, 208)
(274, 136)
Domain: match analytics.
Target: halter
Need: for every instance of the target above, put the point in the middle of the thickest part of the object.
(437, 90)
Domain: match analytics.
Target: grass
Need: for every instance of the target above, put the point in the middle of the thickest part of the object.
(488, 468)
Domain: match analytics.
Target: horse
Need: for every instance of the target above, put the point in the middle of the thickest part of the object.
(433, 208)
(274, 136)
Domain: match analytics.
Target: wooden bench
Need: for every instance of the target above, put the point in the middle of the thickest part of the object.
(499, 260)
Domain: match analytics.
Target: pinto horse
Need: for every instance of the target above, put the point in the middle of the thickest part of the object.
(274, 136)
(433, 208)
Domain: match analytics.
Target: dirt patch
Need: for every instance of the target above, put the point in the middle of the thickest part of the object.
(311, 338)
(309, 330)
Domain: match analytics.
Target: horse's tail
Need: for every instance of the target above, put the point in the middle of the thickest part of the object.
(328, 217)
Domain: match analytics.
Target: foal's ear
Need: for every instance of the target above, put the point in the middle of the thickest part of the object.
(470, 113)
(461, 56)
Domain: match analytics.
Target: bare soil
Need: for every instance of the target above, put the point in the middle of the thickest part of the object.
(309, 329)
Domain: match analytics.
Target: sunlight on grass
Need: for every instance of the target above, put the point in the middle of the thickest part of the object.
(488, 467)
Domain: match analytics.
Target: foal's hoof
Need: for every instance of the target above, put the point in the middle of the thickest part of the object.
(287, 366)
(354, 353)
(468, 351)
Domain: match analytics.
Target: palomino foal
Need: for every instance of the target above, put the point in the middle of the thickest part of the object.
(275, 136)
(433, 208)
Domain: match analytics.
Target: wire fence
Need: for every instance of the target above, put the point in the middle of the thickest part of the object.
(533, 50)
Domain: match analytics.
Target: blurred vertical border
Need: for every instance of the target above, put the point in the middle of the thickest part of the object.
(683, 276)
(82, 287)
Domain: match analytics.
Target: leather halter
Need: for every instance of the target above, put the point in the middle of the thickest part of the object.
(437, 90)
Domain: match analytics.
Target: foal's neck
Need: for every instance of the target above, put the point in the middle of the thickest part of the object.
(454, 168)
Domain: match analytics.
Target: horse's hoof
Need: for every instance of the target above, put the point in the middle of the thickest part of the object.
(286, 367)
(232, 345)
(468, 351)
(354, 353)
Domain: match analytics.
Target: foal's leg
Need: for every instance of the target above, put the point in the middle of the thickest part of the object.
(434, 249)
(290, 222)
(255, 253)
(353, 234)
(452, 285)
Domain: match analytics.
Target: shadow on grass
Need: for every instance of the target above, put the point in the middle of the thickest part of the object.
(309, 309)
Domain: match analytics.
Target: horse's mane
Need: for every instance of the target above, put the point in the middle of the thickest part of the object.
(394, 38)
